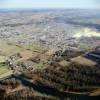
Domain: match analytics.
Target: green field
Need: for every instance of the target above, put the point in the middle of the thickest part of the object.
(34, 47)
(7, 49)
(4, 71)
(2, 59)
(41, 65)
(83, 61)
(64, 63)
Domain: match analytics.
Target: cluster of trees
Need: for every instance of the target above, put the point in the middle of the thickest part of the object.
(26, 74)
(17, 97)
(61, 78)
(13, 83)
(70, 77)
(71, 53)
(2, 93)
(24, 94)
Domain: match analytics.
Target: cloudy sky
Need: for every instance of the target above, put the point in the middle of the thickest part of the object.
(49, 3)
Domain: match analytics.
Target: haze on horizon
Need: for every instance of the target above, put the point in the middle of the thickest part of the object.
(28, 4)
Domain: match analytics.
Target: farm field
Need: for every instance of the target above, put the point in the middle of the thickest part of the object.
(8, 49)
(83, 61)
(4, 71)
(2, 59)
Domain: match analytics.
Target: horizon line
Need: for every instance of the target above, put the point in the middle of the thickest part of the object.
(43, 8)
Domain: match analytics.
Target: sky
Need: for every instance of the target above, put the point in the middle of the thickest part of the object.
(49, 4)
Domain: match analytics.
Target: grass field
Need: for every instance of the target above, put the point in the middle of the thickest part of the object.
(4, 71)
(83, 61)
(41, 65)
(7, 49)
(64, 63)
(2, 59)
(36, 48)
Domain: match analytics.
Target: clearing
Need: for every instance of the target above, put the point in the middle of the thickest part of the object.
(83, 61)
